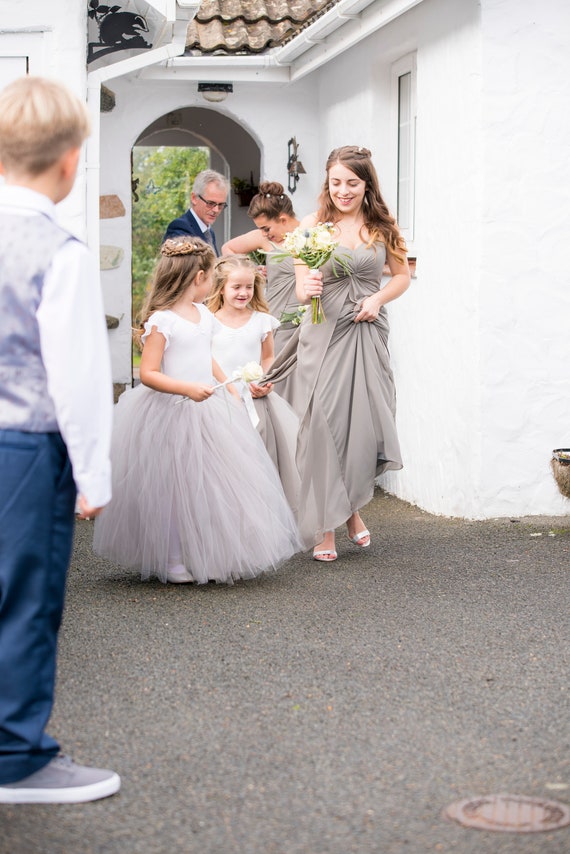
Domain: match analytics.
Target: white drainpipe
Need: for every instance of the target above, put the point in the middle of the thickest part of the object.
(315, 32)
(94, 81)
(357, 28)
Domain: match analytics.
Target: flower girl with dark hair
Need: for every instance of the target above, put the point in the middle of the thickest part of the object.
(195, 494)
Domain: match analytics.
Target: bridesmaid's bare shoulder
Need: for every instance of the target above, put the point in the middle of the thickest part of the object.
(309, 221)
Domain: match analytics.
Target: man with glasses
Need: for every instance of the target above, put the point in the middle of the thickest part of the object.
(209, 194)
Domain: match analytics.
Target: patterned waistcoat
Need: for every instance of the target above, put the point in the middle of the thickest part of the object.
(27, 247)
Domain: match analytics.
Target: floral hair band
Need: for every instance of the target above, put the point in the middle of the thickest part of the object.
(183, 246)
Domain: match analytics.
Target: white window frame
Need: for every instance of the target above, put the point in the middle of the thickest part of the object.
(26, 53)
(405, 145)
(31, 45)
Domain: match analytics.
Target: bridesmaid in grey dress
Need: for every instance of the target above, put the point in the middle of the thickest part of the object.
(272, 212)
(347, 397)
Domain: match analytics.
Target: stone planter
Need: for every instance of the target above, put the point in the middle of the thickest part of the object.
(560, 465)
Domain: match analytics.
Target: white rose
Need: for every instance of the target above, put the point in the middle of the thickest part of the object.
(323, 240)
(249, 373)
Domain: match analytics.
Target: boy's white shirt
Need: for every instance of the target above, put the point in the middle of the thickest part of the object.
(75, 352)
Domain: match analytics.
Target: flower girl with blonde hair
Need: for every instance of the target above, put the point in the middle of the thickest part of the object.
(195, 495)
(244, 334)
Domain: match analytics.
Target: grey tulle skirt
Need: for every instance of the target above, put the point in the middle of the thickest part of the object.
(193, 484)
(278, 427)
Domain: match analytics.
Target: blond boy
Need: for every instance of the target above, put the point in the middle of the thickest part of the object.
(55, 427)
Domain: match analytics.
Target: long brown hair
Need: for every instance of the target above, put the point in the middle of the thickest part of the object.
(271, 201)
(181, 258)
(378, 220)
(224, 268)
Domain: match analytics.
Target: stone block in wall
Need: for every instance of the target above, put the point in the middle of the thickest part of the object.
(110, 257)
(112, 322)
(110, 206)
(107, 100)
(118, 389)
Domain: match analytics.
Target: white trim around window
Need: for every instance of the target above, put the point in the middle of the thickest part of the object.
(23, 52)
(405, 114)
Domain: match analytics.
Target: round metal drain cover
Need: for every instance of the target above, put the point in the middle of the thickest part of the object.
(509, 813)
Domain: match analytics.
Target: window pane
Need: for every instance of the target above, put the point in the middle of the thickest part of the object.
(404, 149)
(12, 67)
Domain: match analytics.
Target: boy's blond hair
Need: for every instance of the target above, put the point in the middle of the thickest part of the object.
(40, 120)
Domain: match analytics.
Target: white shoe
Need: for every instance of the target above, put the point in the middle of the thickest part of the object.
(178, 574)
(61, 781)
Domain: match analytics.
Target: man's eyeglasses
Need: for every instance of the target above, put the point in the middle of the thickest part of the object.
(211, 205)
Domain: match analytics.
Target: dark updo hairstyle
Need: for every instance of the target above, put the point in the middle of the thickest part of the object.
(378, 221)
(271, 201)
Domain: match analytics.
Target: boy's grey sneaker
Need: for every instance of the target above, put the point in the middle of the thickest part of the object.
(61, 781)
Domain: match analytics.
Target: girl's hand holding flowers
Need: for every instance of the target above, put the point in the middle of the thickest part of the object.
(249, 373)
(198, 392)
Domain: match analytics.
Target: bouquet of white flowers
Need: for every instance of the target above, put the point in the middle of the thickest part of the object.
(249, 373)
(313, 247)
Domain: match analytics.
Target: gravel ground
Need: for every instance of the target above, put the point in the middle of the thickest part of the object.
(325, 709)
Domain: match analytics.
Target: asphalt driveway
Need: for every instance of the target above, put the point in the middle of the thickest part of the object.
(326, 709)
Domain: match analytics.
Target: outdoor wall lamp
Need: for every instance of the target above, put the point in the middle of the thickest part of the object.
(215, 92)
(294, 165)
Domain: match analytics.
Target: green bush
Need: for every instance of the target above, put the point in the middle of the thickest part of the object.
(165, 176)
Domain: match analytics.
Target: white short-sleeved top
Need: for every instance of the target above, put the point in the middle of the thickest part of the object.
(232, 348)
(188, 349)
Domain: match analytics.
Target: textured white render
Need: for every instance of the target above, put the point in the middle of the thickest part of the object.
(479, 343)
(525, 225)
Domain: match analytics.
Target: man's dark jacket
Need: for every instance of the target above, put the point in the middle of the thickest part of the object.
(187, 224)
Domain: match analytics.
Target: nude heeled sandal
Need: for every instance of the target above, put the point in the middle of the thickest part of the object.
(357, 539)
(325, 555)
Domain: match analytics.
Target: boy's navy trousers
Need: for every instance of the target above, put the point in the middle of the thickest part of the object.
(37, 512)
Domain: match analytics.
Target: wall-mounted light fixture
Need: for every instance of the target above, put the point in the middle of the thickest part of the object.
(294, 165)
(215, 92)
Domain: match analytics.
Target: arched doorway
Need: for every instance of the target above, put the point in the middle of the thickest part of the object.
(164, 161)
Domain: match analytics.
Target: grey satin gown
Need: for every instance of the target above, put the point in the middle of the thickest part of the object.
(281, 296)
(343, 390)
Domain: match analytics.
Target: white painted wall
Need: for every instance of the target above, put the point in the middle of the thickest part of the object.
(525, 223)
(52, 35)
(478, 345)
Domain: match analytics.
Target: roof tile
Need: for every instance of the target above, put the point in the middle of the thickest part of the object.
(249, 26)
